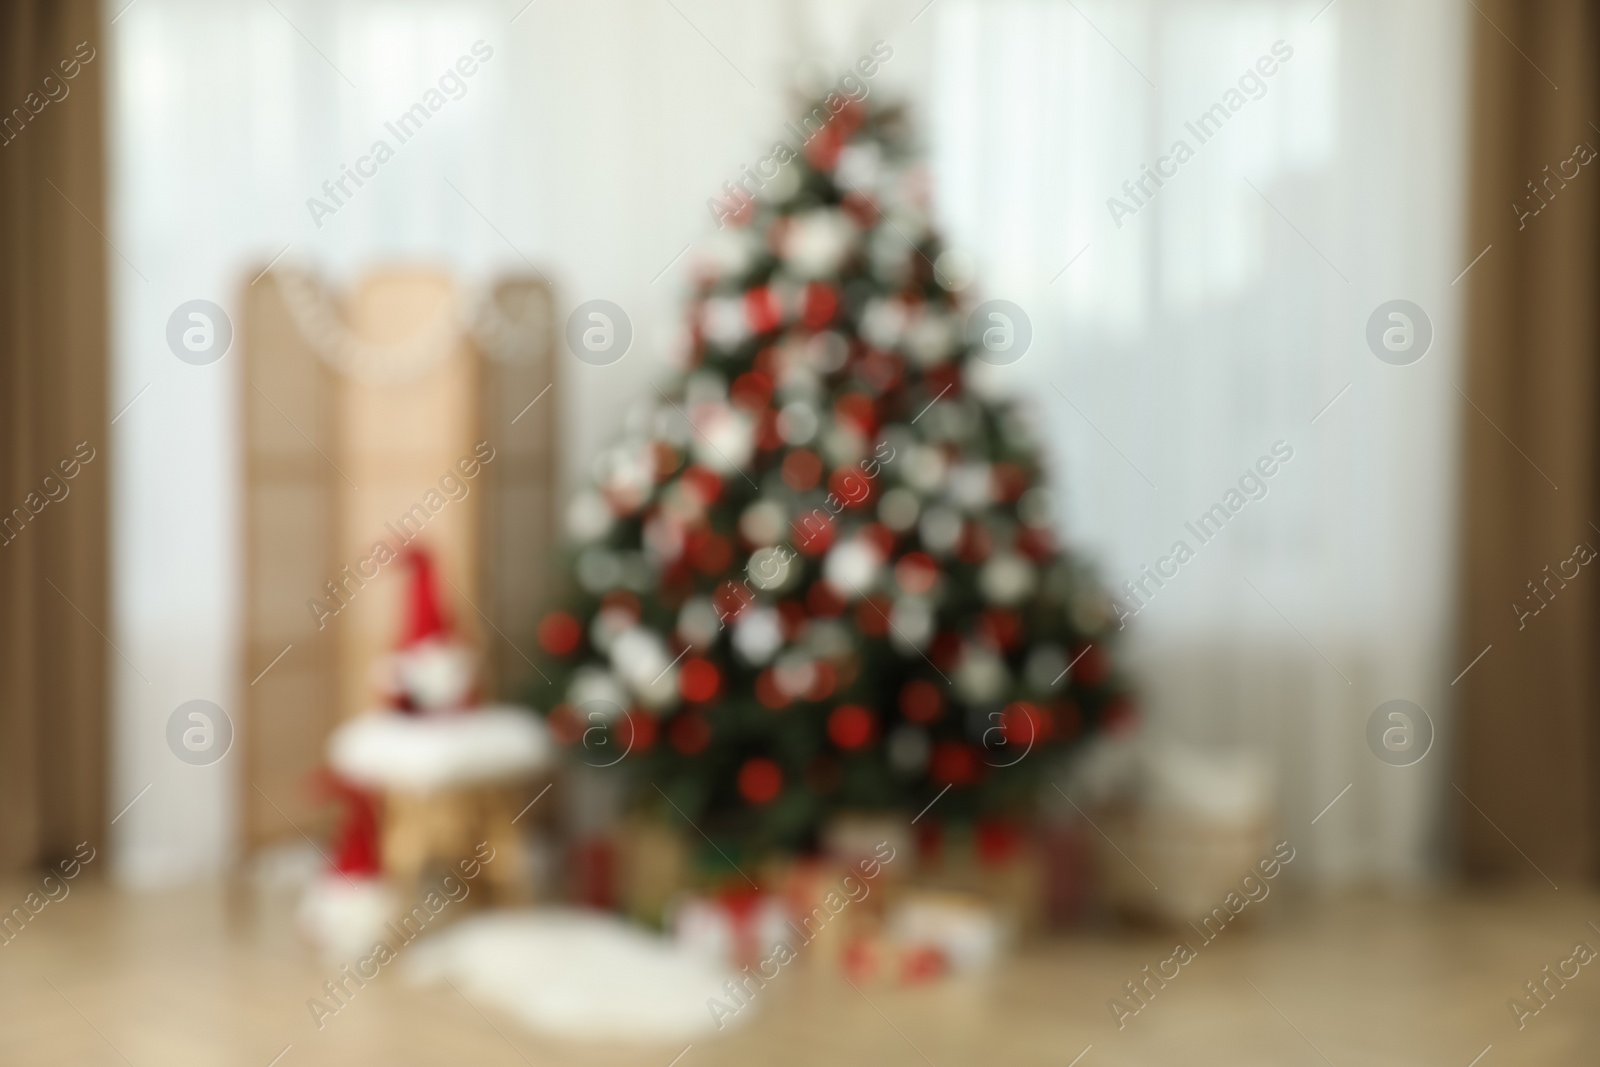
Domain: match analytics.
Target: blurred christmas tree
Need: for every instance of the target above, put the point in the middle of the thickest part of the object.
(817, 574)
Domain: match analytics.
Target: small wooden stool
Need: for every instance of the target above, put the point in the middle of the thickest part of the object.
(453, 787)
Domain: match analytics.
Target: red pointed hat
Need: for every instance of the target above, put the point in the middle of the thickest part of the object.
(425, 616)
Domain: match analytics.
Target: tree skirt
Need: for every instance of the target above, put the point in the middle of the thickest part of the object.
(576, 974)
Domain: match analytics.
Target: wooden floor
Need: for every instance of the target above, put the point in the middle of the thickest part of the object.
(217, 978)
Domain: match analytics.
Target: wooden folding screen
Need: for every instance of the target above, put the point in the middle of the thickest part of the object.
(520, 502)
(356, 415)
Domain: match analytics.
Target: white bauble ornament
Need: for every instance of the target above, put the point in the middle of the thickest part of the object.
(699, 622)
(1006, 578)
(758, 634)
(726, 439)
(940, 529)
(970, 486)
(908, 750)
(851, 567)
(923, 467)
(595, 685)
(797, 422)
(898, 509)
(816, 243)
(981, 676)
(722, 320)
(883, 323)
(639, 656)
(770, 569)
(762, 523)
(911, 623)
(589, 517)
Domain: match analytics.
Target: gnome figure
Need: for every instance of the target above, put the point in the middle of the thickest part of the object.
(344, 908)
(433, 671)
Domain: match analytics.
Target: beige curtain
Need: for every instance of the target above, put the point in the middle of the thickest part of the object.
(54, 452)
(1529, 760)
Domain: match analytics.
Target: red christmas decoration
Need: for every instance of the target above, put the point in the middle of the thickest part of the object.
(821, 302)
(920, 701)
(355, 842)
(640, 732)
(801, 470)
(559, 633)
(752, 390)
(851, 726)
(760, 780)
(916, 573)
(698, 680)
(689, 733)
(424, 615)
(953, 763)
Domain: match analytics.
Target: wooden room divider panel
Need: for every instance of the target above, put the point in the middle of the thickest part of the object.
(290, 504)
(363, 420)
(521, 502)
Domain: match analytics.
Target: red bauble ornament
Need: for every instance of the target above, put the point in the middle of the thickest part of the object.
(622, 600)
(916, 573)
(952, 763)
(730, 599)
(767, 435)
(823, 680)
(690, 733)
(1090, 665)
(802, 469)
(699, 680)
(851, 726)
(857, 410)
(751, 390)
(1010, 481)
(813, 533)
(876, 533)
(872, 616)
(559, 633)
(641, 729)
(705, 484)
(1021, 724)
(564, 724)
(762, 310)
(769, 692)
(945, 650)
(822, 150)
(760, 780)
(921, 701)
(1002, 626)
(823, 601)
(850, 486)
(821, 302)
(976, 544)
(709, 552)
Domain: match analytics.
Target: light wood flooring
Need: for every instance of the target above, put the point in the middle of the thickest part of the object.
(216, 977)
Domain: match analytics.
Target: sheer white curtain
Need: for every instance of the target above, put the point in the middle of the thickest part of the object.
(1224, 316)
(1215, 321)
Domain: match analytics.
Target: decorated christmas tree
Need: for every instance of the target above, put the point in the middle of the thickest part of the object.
(817, 573)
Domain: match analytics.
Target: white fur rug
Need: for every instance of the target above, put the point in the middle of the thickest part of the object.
(575, 974)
